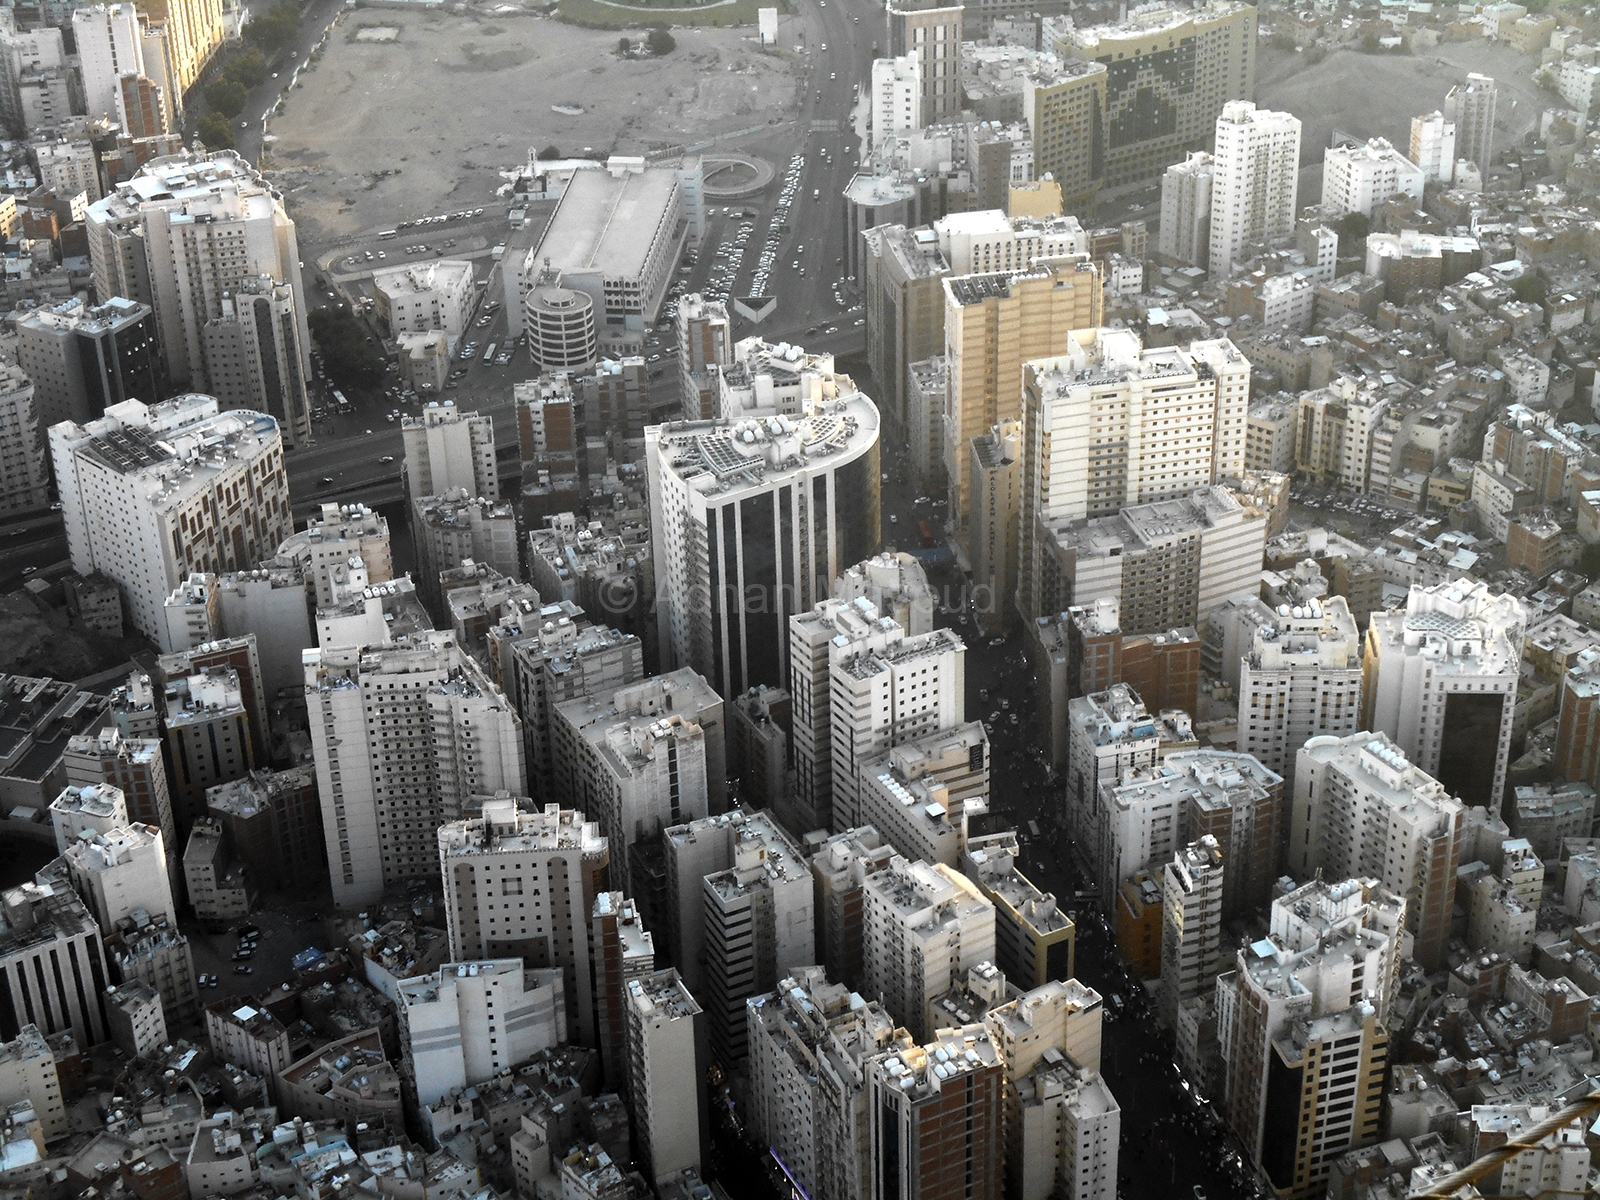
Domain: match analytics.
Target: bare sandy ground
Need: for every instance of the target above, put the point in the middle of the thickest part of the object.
(384, 128)
(1371, 95)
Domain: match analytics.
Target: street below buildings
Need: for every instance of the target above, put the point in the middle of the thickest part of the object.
(1171, 1141)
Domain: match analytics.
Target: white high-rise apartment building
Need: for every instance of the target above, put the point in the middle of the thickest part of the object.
(448, 449)
(138, 1023)
(922, 794)
(28, 60)
(1111, 424)
(52, 963)
(468, 1021)
(404, 736)
(880, 698)
(139, 492)
(770, 379)
(811, 1045)
(1110, 736)
(183, 233)
(89, 809)
(325, 546)
(987, 241)
(1186, 210)
(1300, 678)
(1433, 146)
(1255, 179)
(1189, 795)
(426, 296)
(1191, 923)
(24, 465)
(121, 870)
(896, 98)
(727, 502)
(137, 769)
(1063, 1125)
(69, 167)
(1441, 680)
(28, 1072)
(521, 882)
(664, 1073)
(692, 851)
(110, 45)
(759, 927)
(1357, 178)
(641, 759)
(923, 926)
(1314, 994)
(705, 346)
(1361, 809)
(253, 354)
(875, 603)
(1470, 107)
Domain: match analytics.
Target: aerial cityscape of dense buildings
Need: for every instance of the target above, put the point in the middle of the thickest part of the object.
(1030, 629)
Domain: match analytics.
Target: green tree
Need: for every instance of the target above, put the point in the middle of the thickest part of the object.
(275, 28)
(226, 96)
(346, 354)
(662, 42)
(1353, 226)
(215, 132)
(1530, 287)
(549, 153)
(249, 68)
(623, 45)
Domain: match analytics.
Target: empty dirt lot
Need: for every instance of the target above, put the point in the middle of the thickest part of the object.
(1376, 95)
(408, 114)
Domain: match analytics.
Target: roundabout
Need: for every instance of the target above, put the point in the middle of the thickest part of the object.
(733, 176)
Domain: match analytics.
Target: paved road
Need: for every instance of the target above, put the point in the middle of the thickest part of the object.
(815, 233)
(314, 19)
(1170, 1143)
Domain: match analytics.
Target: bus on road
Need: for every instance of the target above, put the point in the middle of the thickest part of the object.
(488, 352)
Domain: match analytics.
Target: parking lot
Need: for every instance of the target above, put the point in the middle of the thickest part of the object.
(1349, 514)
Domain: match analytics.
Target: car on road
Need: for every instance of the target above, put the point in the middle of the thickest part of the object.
(29, 570)
(243, 970)
(387, 458)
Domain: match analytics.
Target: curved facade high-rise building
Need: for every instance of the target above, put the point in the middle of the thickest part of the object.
(561, 332)
(752, 521)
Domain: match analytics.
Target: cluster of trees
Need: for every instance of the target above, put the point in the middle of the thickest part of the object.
(246, 69)
(275, 28)
(1353, 226)
(346, 356)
